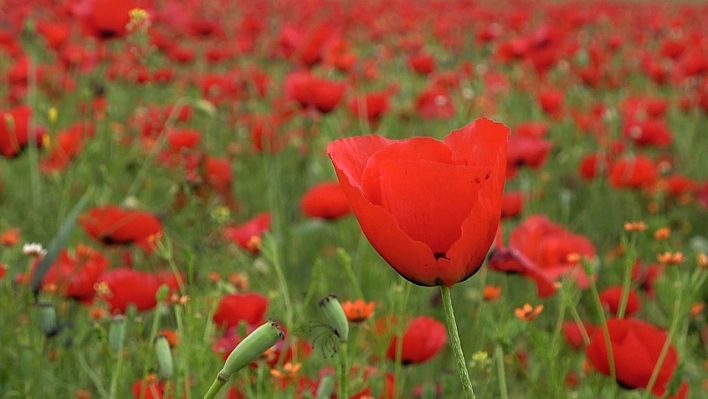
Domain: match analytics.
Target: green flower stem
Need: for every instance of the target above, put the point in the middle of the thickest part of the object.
(216, 386)
(456, 345)
(344, 372)
(627, 278)
(603, 322)
(501, 373)
(400, 330)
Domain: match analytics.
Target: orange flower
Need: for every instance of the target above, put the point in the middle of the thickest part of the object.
(492, 292)
(697, 308)
(171, 336)
(528, 312)
(289, 371)
(10, 237)
(635, 226)
(668, 258)
(662, 234)
(83, 394)
(358, 311)
(702, 260)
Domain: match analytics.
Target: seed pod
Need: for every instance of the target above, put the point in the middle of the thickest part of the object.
(48, 319)
(253, 346)
(116, 334)
(336, 316)
(326, 387)
(164, 357)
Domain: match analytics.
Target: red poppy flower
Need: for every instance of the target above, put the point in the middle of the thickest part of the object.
(422, 340)
(648, 132)
(636, 172)
(512, 204)
(235, 308)
(636, 346)
(526, 151)
(372, 106)
(429, 208)
(434, 102)
(312, 92)
(422, 64)
(539, 249)
(244, 234)
(593, 165)
(551, 102)
(14, 131)
(105, 19)
(114, 226)
(69, 144)
(325, 201)
(128, 286)
(612, 296)
(574, 336)
(75, 275)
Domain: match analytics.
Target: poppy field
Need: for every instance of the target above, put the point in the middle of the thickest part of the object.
(353, 199)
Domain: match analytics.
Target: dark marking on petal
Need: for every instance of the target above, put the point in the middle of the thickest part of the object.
(439, 255)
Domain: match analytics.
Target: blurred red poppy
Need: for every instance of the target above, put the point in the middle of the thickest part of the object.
(636, 346)
(422, 340)
(636, 172)
(611, 297)
(235, 308)
(372, 106)
(244, 234)
(429, 208)
(74, 275)
(422, 63)
(526, 151)
(325, 201)
(112, 225)
(512, 204)
(14, 131)
(312, 92)
(127, 286)
(573, 335)
(105, 19)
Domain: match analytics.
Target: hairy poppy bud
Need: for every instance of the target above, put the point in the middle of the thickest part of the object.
(116, 334)
(164, 357)
(336, 316)
(251, 348)
(325, 387)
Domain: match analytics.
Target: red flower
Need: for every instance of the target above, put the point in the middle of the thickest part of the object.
(612, 296)
(312, 92)
(512, 204)
(14, 131)
(429, 208)
(372, 106)
(325, 201)
(127, 286)
(434, 102)
(244, 234)
(637, 172)
(421, 63)
(69, 145)
(235, 308)
(574, 336)
(542, 250)
(114, 226)
(75, 275)
(526, 151)
(635, 347)
(422, 340)
(105, 19)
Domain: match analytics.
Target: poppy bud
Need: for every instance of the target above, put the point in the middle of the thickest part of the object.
(326, 387)
(48, 319)
(164, 357)
(162, 293)
(116, 334)
(336, 316)
(251, 348)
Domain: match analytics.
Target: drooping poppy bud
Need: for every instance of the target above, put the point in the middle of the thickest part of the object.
(336, 316)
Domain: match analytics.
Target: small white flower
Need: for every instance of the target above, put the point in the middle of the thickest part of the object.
(34, 249)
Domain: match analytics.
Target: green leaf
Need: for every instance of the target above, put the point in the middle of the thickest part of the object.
(58, 242)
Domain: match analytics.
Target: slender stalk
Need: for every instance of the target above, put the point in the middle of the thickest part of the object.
(678, 316)
(216, 386)
(456, 345)
(603, 322)
(400, 328)
(114, 380)
(627, 278)
(344, 372)
(501, 373)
